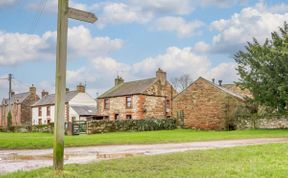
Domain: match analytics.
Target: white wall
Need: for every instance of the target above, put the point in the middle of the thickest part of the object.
(44, 116)
(83, 99)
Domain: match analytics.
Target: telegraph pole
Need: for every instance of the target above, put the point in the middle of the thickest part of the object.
(64, 12)
(10, 85)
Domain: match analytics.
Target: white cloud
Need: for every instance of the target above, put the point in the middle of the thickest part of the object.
(117, 13)
(175, 61)
(7, 2)
(178, 25)
(258, 22)
(19, 47)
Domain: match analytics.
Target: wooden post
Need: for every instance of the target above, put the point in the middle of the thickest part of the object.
(60, 91)
(64, 12)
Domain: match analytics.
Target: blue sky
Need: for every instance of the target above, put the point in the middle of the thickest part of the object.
(132, 38)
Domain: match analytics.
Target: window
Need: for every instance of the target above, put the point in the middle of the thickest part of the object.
(48, 121)
(40, 111)
(129, 116)
(48, 111)
(106, 103)
(128, 102)
(168, 103)
(116, 116)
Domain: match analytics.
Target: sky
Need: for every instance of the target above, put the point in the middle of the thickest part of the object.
(132, 39)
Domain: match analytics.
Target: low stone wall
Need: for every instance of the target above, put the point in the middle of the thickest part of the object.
(130, 125)
(43, 128)
(280, 122)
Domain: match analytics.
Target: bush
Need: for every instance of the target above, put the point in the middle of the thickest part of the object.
(100, 126)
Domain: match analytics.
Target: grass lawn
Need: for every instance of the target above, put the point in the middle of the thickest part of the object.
(42, 140)
(251, 161)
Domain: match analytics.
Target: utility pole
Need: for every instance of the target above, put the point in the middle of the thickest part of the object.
(10, 85)
(64, 12)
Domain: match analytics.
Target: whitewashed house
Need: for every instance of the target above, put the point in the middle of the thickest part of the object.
(79, 106)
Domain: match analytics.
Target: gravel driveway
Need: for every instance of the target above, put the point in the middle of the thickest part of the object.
(15, 160)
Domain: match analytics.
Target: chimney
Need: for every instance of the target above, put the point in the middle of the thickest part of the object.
(119, 80)
(12, 93)
(67, 90)
(161, 76)
(32, 90)
(213, 80)
(220, 82)
(80, 88)
(44, 93)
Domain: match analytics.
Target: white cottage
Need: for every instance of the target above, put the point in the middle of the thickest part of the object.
(78, 106)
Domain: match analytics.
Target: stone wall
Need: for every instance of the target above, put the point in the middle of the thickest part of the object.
(280, 122)
(101, 126)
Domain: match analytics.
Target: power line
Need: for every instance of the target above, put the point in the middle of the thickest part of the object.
(37, 16)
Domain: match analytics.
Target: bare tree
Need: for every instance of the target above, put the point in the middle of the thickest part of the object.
(182, 82)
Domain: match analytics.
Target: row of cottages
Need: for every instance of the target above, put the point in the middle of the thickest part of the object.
(206, 105)
(20, 107)
(79, 106)
(148, 98)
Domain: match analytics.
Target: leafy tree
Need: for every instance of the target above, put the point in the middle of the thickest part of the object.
(263, 69)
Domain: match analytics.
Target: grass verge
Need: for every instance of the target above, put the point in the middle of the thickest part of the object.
(42, 140)
(268, 160)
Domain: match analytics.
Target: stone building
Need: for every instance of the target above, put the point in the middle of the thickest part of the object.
(140, 99)
(206, 105)
(78, 106)
(20, 106)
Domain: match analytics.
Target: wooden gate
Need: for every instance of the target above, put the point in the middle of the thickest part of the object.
(79, 127)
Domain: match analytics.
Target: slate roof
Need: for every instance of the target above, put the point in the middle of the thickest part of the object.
(84, 110)
(129, 88)
(19, 98)
(225, 89)
(50, 99)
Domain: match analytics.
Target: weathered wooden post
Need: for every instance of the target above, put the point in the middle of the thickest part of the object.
(64, 12)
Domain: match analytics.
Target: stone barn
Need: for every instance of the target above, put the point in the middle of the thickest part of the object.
(206, 105)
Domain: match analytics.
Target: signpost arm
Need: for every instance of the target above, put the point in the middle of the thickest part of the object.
(61, 58)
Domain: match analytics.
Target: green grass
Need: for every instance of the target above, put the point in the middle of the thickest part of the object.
(42, 140)
(251, 161)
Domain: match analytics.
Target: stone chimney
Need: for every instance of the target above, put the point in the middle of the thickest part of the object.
(67, 90)
(44, 93)
(213, 80)
(81, 88)
(32, 90)
(161, 76)
(220, 82)
(119, 80)
(12, 93)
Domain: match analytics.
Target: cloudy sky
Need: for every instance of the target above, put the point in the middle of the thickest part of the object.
(132, 38)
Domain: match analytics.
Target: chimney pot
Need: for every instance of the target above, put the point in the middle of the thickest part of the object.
(213, 80)
(32, 90)
(44, 93)
(80, 88)
(220, 82)
(118, 80)
(161, 76)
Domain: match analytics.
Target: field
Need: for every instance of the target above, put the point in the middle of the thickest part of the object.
(42, 140)
(252, 161)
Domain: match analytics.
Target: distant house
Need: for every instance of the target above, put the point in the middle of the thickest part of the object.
(148, 98)
(206, 105)
(20, 107)
(78, 106)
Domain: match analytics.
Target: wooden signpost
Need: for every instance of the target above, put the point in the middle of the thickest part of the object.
(64, 12)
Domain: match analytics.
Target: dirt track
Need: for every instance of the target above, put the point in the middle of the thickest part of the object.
(14, 160)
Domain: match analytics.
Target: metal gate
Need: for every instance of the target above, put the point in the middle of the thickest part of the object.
(79, 127)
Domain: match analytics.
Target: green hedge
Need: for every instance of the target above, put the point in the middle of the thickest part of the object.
(131, 125)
